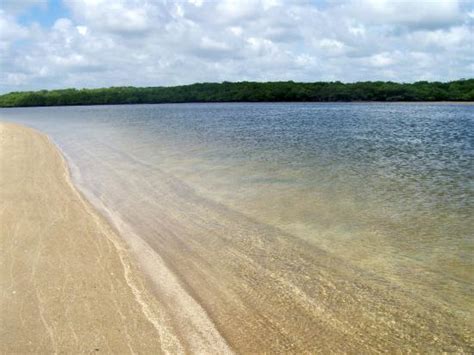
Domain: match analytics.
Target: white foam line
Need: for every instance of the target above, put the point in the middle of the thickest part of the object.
(200, 333)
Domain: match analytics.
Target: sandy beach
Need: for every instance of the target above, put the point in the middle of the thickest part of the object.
(193, 276)
(67, 283)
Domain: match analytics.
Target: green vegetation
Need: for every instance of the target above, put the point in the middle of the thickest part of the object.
(460, 90)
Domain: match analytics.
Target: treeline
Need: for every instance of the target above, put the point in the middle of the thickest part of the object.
(460, 90)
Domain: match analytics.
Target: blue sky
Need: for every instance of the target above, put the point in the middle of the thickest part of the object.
(44, 13)
(46, 44)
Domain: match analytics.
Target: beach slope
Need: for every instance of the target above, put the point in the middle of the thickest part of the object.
(66, 281)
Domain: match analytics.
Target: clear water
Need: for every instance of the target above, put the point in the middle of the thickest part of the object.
(388, 188)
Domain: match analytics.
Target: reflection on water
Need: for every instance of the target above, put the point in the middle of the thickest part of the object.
(385, 187)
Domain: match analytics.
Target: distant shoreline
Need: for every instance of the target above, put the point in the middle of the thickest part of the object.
(466, 103)
(282, 91)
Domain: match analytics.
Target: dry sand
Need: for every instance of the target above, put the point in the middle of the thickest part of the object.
(66, 281)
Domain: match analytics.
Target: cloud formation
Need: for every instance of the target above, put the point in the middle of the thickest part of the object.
(101, 43)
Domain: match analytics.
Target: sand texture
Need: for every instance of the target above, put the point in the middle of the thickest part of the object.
(220, 281)
(66, 282)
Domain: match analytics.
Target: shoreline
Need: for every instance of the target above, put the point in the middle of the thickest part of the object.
(69, 283)
(466, 103)
(251, 91)
(200, 278)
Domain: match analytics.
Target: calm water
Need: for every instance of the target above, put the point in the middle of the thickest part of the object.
(388, 188)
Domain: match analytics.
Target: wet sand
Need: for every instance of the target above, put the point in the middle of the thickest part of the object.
(67, 283)
(221, 281)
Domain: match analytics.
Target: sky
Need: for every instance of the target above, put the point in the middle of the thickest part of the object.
(49, 44)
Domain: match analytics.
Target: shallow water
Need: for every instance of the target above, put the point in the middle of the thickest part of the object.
(384, 189)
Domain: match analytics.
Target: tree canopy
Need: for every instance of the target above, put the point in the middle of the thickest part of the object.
(460, 90)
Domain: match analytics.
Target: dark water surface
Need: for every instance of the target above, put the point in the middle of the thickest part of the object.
(384, 189)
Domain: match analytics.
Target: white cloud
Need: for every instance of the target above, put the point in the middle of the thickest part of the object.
(160, 42)
(381, 60)
(422, 13)
(82, 30)
(10, 30)
(118, 16)
(197, 3)
(209, 43)
(236, 30)
(450, 39)
(332, 46)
